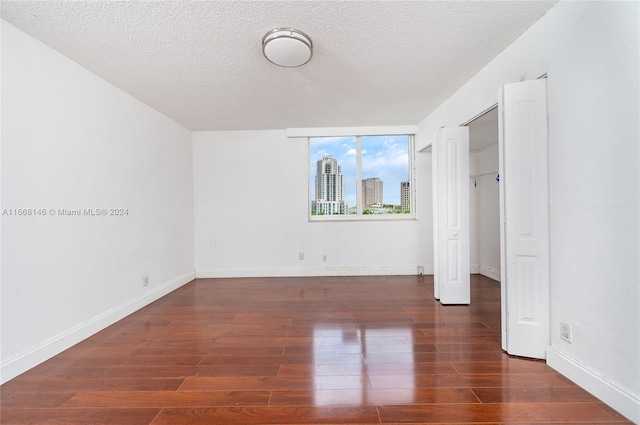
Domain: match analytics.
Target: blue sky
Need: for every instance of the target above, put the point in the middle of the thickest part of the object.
(385, 157)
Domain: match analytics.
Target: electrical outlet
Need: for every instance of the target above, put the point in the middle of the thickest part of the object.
(145, 280)
(324, 258)
(565, 332)
(301, 256)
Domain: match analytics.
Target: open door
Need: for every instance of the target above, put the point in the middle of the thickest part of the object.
(450, 159)
(434, 191)
(524, 217)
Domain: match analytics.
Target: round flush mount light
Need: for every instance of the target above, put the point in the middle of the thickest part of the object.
(287, 47)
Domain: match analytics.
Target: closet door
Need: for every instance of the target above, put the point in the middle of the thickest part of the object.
(435, 156)
(451, 215)
(524, 198)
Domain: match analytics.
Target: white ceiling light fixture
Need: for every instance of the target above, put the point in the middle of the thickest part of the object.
(287, 47)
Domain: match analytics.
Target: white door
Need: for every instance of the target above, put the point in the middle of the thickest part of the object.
(450, 158)
(434, 190)
(524, 210)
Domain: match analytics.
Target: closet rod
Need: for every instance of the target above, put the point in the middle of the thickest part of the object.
(487, 173)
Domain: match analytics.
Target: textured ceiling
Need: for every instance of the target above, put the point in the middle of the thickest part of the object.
(200, 63)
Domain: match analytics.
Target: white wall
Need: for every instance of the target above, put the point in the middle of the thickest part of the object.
(590, 51)
(487, 210)
(484, 214)
(474, 234)
(251, 215)
(71, 140)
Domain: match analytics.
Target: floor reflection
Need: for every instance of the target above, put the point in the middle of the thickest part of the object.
(345, 360)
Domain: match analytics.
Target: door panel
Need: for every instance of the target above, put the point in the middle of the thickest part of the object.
(524, 193)
(435, 156)
(451, 215)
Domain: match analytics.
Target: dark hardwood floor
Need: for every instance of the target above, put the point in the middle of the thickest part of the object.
(347, 350)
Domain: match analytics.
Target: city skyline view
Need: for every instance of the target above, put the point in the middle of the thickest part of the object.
(382, 157)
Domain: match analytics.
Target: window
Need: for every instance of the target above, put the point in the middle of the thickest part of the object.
(361, 177)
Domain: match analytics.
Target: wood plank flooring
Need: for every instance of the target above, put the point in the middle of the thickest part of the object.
(343, 350)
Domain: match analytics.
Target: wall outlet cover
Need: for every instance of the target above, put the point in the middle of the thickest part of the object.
(566, 332)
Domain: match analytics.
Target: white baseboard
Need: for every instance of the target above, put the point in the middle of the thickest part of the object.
(309, 271)
(490, 272)
(618, 399)
(474, 268)
(19, 364)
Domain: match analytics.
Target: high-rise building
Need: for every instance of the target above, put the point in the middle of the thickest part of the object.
(405, 196)
(372, 192)
(329, 188)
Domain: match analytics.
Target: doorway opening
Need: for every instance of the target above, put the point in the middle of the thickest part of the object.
(523, 220)
(484, 194)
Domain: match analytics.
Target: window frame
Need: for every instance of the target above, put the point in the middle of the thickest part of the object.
(359, 216)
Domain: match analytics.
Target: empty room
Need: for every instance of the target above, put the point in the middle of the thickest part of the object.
(326, 212)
